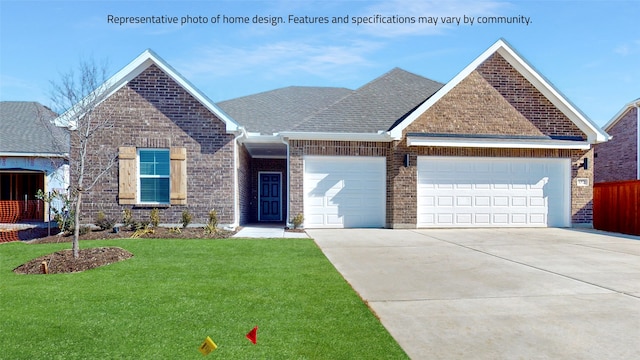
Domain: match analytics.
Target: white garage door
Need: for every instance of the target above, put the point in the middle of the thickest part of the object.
(344, 191)
(476, 192)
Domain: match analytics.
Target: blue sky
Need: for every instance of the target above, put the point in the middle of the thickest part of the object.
(590, 50)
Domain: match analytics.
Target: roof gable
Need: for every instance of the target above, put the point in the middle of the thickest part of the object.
(593, 132)
(135, 68)
(614, 120)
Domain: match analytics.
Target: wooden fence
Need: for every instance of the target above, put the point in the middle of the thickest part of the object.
(616, 206)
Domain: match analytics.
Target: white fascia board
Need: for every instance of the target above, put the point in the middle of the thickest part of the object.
(256, 138)
(34, 155)
(594, 133)
(614, 120)
(135, 68)
(501, 144)
(381, 136)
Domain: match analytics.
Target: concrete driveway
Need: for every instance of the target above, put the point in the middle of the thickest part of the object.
(496, 293)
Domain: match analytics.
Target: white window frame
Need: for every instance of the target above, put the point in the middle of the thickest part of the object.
(140, 176)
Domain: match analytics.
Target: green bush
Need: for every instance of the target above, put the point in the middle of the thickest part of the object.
(103, 222)
(297, 221)
(186, 218)
(155, 217)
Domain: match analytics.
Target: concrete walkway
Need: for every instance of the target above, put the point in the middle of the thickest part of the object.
(496, 293)
(268, 231)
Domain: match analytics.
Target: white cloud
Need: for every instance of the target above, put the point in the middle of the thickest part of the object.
(628, 48)
(277, 58)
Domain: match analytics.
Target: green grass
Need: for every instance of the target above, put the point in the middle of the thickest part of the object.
(163, 303)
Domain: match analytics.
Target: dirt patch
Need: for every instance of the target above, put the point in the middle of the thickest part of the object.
(64, 262)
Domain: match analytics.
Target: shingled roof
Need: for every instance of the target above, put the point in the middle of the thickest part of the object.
(281, 109)
(375, 106)
(26, 128)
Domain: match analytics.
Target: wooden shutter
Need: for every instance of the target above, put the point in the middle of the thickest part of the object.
(178, 158)
(127, 183)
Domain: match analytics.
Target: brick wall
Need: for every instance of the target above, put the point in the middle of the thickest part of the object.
(154, 111)
(617, 159)
(244, 184)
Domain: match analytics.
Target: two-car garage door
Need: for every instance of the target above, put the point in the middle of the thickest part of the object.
(485, 192)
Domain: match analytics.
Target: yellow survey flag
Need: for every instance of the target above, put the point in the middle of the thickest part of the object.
(207, 346)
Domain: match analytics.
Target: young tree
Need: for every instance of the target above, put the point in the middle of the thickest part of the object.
(78, 96)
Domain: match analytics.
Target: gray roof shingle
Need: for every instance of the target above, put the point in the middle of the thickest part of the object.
(377, 105)
(25, 127)
(281, 109)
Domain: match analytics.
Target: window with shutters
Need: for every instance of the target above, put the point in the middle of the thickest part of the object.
(154, 176)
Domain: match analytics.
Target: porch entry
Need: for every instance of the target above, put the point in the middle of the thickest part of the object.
(270, 196)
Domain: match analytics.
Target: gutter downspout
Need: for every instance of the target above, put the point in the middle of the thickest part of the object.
(286, 219)
(236, 188)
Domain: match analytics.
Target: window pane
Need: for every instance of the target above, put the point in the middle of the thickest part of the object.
(154, 162)
(154, 190)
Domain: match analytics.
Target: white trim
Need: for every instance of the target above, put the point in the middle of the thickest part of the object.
(135, 68)
(139, 177)
(593, 132)
(614, 120)
(379, 137)
(37, 155)
(496, 143)
(260, 173)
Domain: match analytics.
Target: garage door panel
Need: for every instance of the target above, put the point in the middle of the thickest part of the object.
(492, 191)
(352, 189)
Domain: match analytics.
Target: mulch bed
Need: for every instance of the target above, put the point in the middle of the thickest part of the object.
(64, 262)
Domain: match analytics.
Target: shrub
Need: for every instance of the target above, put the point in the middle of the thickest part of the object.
(103, 222)
(155, 217)
(297, 221)
(84, 229)
(127, 218)
(212, 225)
(186, 218)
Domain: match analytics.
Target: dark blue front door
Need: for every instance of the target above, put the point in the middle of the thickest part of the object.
(270, 197)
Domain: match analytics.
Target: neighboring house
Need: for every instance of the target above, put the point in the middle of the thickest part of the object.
(497, 145)
(33, 156)
(619, 159)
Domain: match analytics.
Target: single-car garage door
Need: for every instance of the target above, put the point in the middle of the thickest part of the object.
(344, 191)
(476, 192)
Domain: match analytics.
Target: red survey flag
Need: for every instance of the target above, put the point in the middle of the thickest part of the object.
(253, 335)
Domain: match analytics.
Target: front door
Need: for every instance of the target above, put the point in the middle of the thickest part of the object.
(270, 196)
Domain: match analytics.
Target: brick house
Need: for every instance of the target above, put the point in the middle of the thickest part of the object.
(497, 145)
(619, 158)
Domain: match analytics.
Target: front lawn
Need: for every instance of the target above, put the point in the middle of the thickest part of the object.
(163, 303)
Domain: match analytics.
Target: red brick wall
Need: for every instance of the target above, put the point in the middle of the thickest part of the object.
(154, 111)
(617, 159)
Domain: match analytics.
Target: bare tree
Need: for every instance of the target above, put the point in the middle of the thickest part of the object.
(78, 96)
